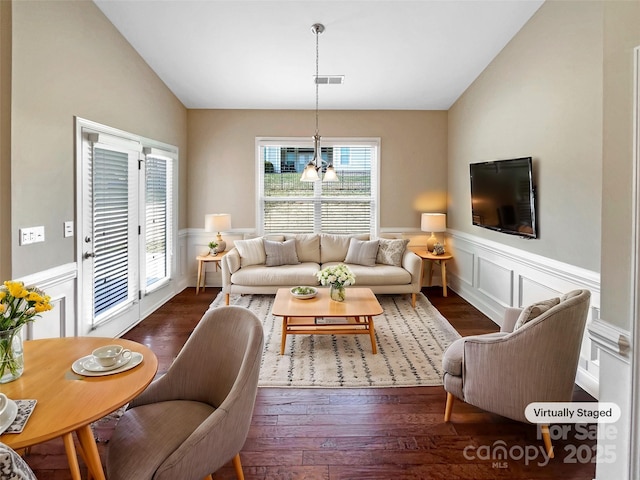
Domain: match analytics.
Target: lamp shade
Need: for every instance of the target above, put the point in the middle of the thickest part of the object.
(217, 222)
(434, 222)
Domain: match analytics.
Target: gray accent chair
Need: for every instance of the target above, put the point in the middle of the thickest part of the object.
(503, 372)
(195, 418)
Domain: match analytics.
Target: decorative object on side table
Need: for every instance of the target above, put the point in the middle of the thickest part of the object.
(18, 305)
(337, 277)
(434, 223)
(213, 248)
(218, 222)
(438, 249)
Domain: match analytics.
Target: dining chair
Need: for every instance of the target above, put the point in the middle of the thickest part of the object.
(13, 466)
(534, 358)
(195, 418)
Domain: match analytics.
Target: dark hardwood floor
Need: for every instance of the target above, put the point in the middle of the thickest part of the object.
(368, 433)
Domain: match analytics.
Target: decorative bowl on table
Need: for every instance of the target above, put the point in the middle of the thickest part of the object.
(304, 293)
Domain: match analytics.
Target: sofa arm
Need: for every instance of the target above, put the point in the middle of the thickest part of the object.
(230, 264)
(510, 318)
(413, 264)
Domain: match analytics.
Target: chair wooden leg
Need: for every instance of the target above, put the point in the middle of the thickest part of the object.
(413, 300)
(546, 437)
(208, 477)
(226, 299)
(238, 467)
(448, 407)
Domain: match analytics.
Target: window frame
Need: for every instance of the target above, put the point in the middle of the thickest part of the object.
(307, 142)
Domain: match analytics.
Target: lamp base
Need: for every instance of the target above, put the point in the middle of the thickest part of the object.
(431, 242)
(222, 245)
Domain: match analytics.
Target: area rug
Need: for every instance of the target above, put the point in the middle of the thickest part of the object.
(410, 344)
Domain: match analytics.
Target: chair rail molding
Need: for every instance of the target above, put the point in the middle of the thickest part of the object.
(492, 277)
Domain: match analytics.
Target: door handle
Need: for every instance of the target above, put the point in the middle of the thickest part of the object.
(88, 255)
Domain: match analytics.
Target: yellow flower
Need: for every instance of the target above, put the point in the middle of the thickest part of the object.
(3, 294)
(42, 307)
(34, 297)
(3, 308)
(16, 289)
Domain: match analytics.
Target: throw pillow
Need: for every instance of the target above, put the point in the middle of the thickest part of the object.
(534, 311)
(390, 252)
(251, 251)
(362, 252)
(280, 253)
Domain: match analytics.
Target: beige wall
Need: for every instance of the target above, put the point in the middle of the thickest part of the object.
(5, 139)
(69, 60)
(621, 35)
(222, 161)
(541, 97)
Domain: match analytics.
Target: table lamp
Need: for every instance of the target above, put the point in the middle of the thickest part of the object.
(218, 222)
(433, 222)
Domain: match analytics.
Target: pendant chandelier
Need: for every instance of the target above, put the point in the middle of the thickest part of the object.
(313, 169)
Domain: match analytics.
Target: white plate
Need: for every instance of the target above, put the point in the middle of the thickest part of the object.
(78, 366)
(92, 364)
(305, 295)
(9, 415)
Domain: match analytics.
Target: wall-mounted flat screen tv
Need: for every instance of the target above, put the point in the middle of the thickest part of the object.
(503, 196)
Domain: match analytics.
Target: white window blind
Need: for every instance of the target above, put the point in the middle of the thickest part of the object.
(287, 205)
(158, 220)
(113, 197)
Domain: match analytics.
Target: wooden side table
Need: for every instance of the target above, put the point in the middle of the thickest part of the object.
(202, 259)
(441, 259)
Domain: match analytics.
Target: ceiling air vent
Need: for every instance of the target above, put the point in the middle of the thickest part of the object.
(329, 79)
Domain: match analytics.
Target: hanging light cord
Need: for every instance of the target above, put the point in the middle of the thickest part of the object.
(316, 79)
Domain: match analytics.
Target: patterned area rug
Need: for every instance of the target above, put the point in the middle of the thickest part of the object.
(410, 347)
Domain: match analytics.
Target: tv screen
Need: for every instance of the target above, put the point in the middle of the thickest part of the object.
(503, 196)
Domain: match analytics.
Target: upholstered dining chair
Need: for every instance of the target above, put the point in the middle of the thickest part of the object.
(534, 358)
(195, 418)
(13, 466)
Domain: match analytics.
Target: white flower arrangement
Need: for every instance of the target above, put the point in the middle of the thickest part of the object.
(337, 275)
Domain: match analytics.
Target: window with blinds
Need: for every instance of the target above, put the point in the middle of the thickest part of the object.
(288, 205)
(158, 212)
(113, 199)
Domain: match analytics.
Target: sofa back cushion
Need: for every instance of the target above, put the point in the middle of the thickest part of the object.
(362, 252)
(251, 251)
(307, 246)
(333, 248)
(390, 252)
(280, 253)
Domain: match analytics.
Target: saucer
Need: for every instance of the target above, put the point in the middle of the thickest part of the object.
(79, 366)
(92, 364)
(9, 415)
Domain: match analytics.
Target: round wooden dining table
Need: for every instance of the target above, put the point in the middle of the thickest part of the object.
(68, 402)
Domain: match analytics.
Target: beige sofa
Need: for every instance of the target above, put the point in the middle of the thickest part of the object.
(262, 265)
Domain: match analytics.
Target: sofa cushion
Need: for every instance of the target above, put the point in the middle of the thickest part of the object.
(390, 252)
(280, 253)
(535, 310)
(377, 275)
(362, 252)
(307, 246)
(251, 251)
(333, 248)
(285, 275)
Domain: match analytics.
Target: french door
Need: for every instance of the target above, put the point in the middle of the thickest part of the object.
(126, 228)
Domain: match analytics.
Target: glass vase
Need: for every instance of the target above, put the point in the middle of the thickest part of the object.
(337, 293)
(11, 354)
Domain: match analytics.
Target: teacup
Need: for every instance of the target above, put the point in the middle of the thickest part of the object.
(4, 403)
(109, 355)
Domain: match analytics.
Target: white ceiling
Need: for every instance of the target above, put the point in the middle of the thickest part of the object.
(260, 54)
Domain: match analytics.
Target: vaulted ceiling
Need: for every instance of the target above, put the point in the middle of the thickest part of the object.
(260, 54)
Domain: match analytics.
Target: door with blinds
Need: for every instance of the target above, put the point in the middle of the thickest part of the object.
(109, 230)
(127, 229)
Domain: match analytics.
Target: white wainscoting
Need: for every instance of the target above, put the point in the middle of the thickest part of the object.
(60, 284)
(492, 276)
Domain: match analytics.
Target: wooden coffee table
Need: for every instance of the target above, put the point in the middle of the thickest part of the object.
(321, 315)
